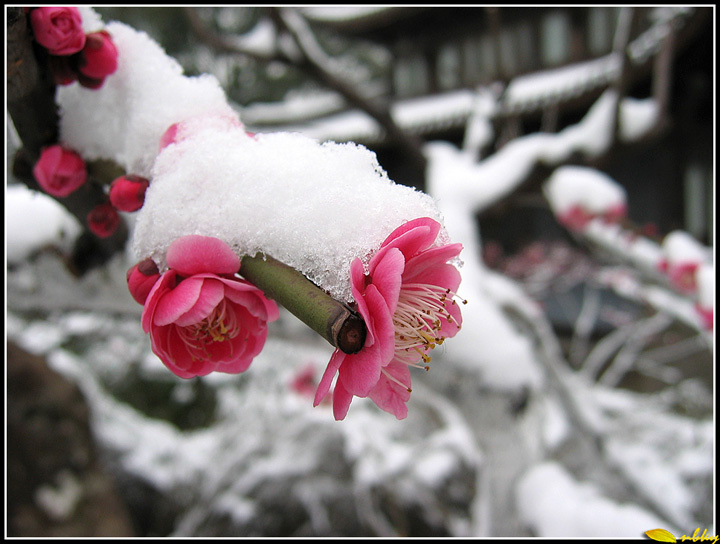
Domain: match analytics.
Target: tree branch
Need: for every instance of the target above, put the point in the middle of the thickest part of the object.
(314, 62)
(331, 319)
(31, 105)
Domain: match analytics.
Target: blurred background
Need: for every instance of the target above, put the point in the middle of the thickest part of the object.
(577, 401)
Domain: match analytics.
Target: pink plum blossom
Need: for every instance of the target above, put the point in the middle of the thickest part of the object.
(58, 29)
(577, 216)
(103, 220)
(99, 56)
(59, 171)
(141, 278)
(201, 317)
(407, 301)
(177, 132)
(706, 315)
(127, 193)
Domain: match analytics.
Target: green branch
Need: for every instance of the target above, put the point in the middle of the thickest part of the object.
(331, 319)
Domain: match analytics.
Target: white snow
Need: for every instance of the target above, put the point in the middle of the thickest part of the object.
(706, 285)
(36, 221)
(124, 119)
(588, 188)
(533, 90)
(680, 247)
(556, 505)
(312, 206)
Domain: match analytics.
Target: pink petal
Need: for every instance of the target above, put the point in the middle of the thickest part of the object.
(175, 302)
(381, 324)
(389, 395)
(410, 243)
(195, 254)
(337, 359)
(155, 294)
(357, 281)
(430, 259)
(444, 275)
(433, 225)
(360, 372)
(341, 402)
(245, 294)
(387, 277)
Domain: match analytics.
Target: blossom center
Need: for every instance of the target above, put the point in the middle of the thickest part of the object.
(220, 325)
(420, 317)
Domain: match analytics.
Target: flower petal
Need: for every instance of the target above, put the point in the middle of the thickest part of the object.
(430, 260)
(337, 359)
(195, 254)
(420, 222)
(381, 323)
(387, 277)
(156, 293)
(341, 401)
(390, 395)
(360, 372)
(175, 302)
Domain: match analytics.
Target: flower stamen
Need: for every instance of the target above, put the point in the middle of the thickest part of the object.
(219, 326)
(418, 320)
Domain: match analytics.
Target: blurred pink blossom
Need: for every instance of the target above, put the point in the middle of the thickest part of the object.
(99, 57)
(127, 193)
(59, 171)
(58, 29)
(103, 220)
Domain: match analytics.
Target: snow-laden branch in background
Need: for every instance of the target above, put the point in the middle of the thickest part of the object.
(484, 183)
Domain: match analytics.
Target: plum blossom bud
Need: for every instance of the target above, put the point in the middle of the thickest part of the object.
(99, 56)
(58, 29)
(127, 193)
(103, 220)
(141, 278)
(59, 171)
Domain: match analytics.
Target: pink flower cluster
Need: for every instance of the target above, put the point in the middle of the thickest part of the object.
(88, 59)
(200, 316)
(74, 55)
(60, 172)
(407, 299)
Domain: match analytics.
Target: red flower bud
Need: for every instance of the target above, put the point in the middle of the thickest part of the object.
(58, 29)
(141, 278)
(103, 220)
(99, 56)
(59, 171)
(127, 193)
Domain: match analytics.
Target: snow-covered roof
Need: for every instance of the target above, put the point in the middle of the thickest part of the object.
(525, 94)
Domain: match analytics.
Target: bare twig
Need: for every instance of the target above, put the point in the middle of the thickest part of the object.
(312, 60)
